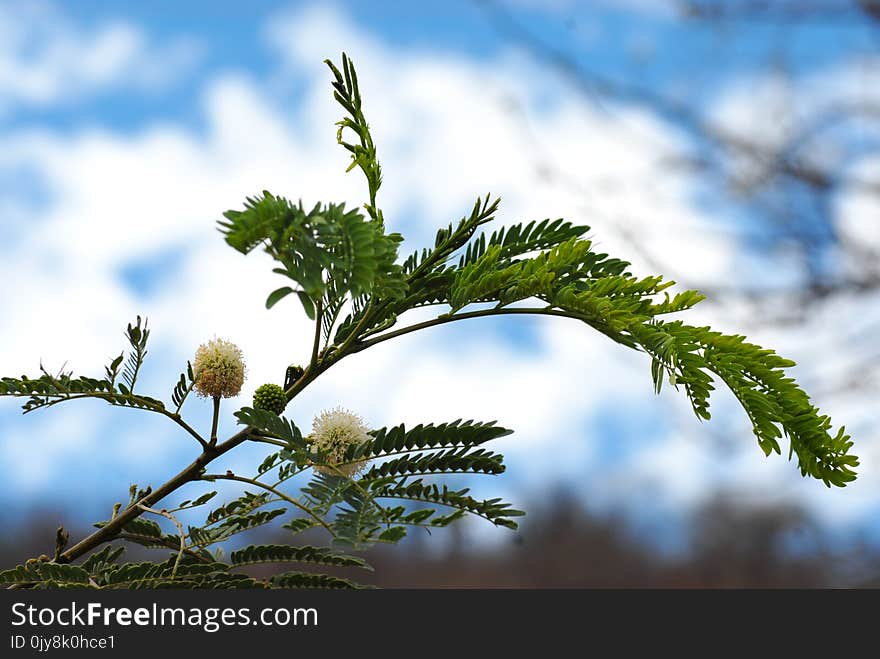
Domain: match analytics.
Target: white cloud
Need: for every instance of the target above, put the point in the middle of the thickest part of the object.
(45, 58)
(858, 210)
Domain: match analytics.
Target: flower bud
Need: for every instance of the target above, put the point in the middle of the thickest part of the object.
(270, 397)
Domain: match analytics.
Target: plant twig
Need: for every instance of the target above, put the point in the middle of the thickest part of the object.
(319, 316)
(180, 531)
(183, 424)
(215, 421)
(148, 540)
(482, 313)
(269, 488)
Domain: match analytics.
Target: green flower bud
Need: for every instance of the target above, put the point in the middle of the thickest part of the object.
(270, 397)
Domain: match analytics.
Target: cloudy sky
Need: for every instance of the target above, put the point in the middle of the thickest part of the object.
(125, 132)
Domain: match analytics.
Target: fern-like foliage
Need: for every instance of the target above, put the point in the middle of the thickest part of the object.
(363, 152)
(47, 389)
(344, 268)
(271, 425)
(107, 574)
(183, 388)
(137, 335)
(327, 244)
(287, 554)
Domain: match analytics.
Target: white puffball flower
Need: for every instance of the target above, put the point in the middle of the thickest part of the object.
(218, 369)
(333, 433)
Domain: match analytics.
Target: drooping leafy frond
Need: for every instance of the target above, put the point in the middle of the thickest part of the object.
(559, 272)
(774, 402)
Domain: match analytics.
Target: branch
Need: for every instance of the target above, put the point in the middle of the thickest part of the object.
(190, 473)
(183, 424)
(482, 313)
(131, 401)
(591, 82)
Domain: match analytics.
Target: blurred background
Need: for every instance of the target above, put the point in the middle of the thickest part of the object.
(732, 146)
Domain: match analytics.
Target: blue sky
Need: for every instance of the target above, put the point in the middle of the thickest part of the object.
(126, 129)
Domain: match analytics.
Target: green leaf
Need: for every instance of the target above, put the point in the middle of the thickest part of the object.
(311, 580)
(144, 527)
(520, 239)
(354, 253)
(183, 387)
(231, 526)
(273, 425)
(48, 390)
(103, 559)
(287, 554)
(205, 498)
(393, 534)
(450, 461)
(243, 504)
(299, 524)
(49, 574)
(277, 295)
(445, 435)
(308, 305)
(137, 335)
(493, 510)
(773, 401)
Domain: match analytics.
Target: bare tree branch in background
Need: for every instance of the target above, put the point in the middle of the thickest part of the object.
(787, 179)
(751, 166)
(788, 11)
